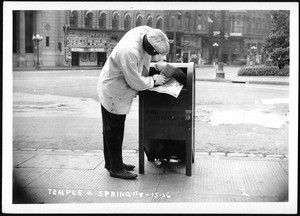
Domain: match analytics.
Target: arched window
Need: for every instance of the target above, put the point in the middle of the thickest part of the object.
(115, 21)
(149, 21)
(127, 22)
(179, 21)
(139, 21)
(73, 18)
(159, 23)
(102, 21)
(172, 22)
(188, 21)
(200, 22)
(88, 19)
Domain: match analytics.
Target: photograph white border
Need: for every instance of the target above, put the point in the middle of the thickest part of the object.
(275, 208)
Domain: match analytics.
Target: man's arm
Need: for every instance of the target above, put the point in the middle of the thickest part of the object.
(128, 63)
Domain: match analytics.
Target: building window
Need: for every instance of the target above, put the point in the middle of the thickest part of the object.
(188, 21)
(244, 24)
(47, 41)
(238, 27)
(179, 20)
(73, 19)
(15, 31)
(127, 22)
(232, 20)
(88, 19)
(29, 31)
(248, 25)
(237, 24)
(256, 26)
(102, 21)
(201, 25)
(115, 21)
(253, 25)
(139, 21)
(172, 22)
(264, 27)
(159, 23)
(259, 26)
(149, 21)
(59, 46)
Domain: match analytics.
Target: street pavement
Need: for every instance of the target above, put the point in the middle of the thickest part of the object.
(60, 110)
(54, 176)
(209, 74)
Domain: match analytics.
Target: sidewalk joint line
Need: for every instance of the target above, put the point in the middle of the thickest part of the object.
(134, 151)
(158, 183)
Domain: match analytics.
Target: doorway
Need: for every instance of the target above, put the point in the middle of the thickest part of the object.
(75, 58)
(101, 59)
(185, 57)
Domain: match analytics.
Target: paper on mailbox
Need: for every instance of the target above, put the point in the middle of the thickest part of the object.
(172, 87)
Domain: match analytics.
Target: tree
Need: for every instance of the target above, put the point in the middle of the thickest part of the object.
(277, 43)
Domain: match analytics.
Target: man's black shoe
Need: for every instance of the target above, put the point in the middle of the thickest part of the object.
(128, 167)
(123, 174)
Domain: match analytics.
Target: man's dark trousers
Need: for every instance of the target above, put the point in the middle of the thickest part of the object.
(113, 133)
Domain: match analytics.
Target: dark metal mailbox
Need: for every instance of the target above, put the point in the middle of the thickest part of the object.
(166, 123)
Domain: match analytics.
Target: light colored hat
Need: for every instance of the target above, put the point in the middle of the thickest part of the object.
(159, 41)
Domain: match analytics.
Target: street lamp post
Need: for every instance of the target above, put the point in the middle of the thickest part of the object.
(37, 38)
(253, 53)
(220, 72)
(215, 45)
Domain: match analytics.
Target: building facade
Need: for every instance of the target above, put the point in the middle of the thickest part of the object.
(232, 37)
(86, 38)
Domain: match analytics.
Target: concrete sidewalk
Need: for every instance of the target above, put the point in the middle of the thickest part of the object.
(61, 176)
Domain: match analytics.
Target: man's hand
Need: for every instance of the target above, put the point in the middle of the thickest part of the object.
(159, 79)
(160, 65)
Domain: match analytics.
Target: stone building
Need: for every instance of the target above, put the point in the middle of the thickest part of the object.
(210, 36)
(88, 37)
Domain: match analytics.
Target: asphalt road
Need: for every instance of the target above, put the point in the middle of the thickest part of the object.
(60, 110)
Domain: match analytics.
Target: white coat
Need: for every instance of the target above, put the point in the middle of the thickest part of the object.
(125, 73)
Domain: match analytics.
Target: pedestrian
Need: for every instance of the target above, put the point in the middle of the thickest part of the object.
(126, 72)
(69, 59)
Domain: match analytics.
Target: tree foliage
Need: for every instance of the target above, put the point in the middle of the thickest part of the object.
(277, 43)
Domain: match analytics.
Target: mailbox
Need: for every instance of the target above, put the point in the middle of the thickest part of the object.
(166, 123)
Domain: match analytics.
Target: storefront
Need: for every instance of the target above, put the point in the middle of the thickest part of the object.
(88, 49)
(88, 57)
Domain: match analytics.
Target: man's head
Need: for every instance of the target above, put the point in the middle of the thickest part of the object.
(156, 42)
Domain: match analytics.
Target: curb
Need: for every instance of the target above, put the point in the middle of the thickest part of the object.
(243, 82)
(56, 69)
(270, 82)
(214, 154)
(197, 79)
